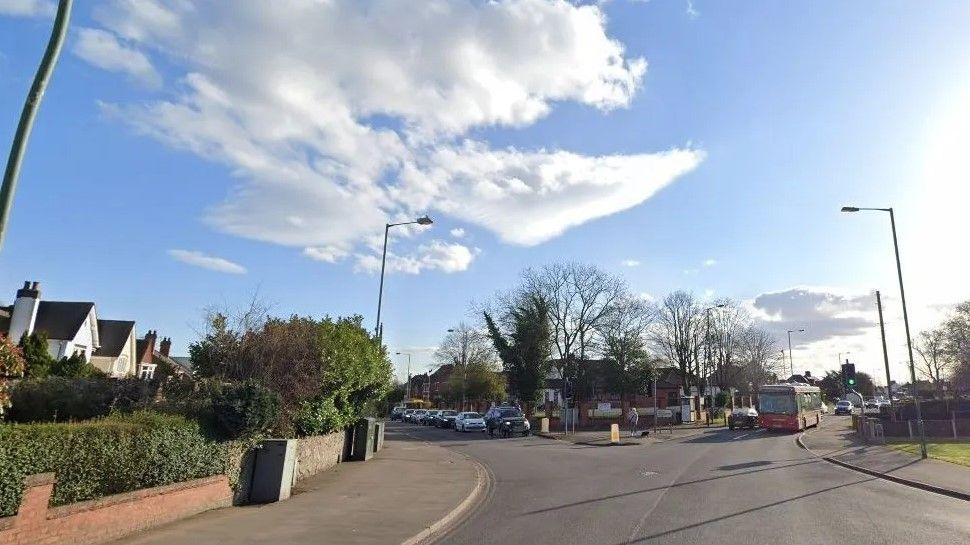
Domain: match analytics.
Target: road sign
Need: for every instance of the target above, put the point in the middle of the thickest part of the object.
(665, 413)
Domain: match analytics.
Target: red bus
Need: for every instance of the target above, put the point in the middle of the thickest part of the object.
(792, 407)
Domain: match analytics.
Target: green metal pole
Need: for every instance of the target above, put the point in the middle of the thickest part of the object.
(36, 94)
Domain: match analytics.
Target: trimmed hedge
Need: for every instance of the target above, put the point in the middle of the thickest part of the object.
(62, 399)
(107, 456)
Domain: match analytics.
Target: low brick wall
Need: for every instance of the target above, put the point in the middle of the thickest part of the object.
(318, 453)
(108, 518)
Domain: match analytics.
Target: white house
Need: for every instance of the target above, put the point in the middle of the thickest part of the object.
(71, 328)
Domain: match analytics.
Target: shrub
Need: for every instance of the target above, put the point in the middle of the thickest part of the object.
(62, 399)
(106, 456)
(39, 360)
(75, 366)
(244, 409)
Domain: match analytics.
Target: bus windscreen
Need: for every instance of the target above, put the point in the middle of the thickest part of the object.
(776, 403)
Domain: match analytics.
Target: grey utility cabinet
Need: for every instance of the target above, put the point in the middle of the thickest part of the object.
(363, 440)
(274, 471)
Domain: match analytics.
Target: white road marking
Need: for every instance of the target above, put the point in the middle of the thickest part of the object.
(747, 434)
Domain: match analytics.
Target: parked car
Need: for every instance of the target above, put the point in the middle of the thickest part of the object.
(871, 407)
(397, 413)
(446, 419)
(506, 421)
(408, 413)
(469, 421)
(843, 407)
(417, 415)
(743, 417)
(428, 418)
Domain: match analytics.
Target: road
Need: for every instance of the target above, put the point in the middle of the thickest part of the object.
(719, 487)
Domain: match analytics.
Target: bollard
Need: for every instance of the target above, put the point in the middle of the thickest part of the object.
(544, 425)
(614, 433)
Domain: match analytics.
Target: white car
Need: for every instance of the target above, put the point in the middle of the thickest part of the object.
(469, 422)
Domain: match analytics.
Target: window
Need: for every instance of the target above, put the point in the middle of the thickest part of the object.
(121, 365)
(777, 403)
(147, 371)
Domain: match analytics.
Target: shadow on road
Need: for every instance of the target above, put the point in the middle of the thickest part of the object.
(672, 485)
(743, 512)
(745, 465)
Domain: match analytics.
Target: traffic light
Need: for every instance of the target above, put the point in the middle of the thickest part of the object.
(848, 375)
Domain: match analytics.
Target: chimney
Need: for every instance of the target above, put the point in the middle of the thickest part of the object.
(149, 346)
(165, 346)
(24, 314)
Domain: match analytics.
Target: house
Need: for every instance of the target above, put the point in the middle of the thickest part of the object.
(432, 386)
(71, 328)
(149, 358)
(116, 355)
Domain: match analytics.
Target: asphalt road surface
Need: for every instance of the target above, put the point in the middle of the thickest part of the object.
(720, 487)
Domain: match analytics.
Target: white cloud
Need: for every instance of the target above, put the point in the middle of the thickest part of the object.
(102, 49)
(458, 232)
(27, 8)
(199, 259)
(336, 116)
(436, 255)
(709, 262)
(630, 263)
(329, 254)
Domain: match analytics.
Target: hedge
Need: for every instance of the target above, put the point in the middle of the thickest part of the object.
(62, 399)
(106, 456)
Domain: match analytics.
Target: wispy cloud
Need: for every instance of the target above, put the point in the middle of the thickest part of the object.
(709, 262)
(27, 8)
(104, 50)
(630, 263)
(458, 232)
(213, 263)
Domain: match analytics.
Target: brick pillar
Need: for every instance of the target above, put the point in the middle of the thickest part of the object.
(37, 496)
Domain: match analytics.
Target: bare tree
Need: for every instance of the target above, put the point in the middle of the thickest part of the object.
(580, 297)
(623, 343)
(935, 360)
(678, 332)
(466, 347)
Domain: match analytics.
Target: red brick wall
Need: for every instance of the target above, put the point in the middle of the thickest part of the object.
(105, 519)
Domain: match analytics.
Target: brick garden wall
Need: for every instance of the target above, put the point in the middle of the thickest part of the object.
(111, 517)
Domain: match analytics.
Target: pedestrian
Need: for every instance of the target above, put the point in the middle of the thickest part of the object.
(633, 417)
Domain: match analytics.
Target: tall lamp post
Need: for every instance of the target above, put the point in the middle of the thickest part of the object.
(407, 387)
(791, 361)
(423, 220)
(707, 351)
(902, 297)
(27, 115)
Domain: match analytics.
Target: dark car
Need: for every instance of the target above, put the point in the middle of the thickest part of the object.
(506, 421)
(397, 413)
(429, 418)
(446, 419)
(743, 417)
(416, 416)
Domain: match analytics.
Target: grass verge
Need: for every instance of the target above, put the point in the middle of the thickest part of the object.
(955, 452)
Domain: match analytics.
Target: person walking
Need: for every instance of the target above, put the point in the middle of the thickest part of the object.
(633, 418)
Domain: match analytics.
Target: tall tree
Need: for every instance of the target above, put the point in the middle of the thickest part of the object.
(525, 350)
(934, 360)
(678, 332)
(579, 297)
(467, 349)
(628, 366)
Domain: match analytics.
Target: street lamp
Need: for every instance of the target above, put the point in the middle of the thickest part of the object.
(707, 351)
(12, 171)
(791, 361)
(902, 296)
(407, 387)
(423, 220)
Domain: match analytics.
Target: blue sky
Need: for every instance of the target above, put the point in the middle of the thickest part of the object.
(781, 113)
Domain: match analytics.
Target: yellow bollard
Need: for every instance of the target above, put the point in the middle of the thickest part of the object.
(544, 425)
(614, 433)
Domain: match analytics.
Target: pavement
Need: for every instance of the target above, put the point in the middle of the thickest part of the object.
(405, 494)
(718, 486)
(836, 439)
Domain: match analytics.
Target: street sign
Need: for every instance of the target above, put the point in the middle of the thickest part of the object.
(665, 413)
(604, 406)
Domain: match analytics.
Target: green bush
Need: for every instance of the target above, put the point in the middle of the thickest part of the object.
(244, 409)
(106, 456)
(61, 399)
